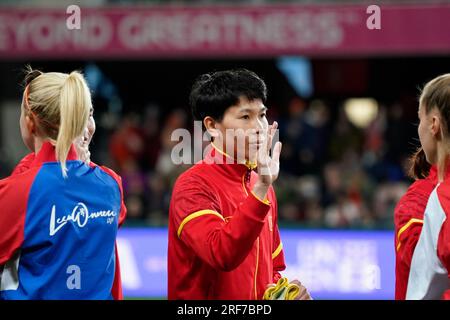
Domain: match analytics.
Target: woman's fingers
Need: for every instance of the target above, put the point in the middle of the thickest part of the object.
(276, 152)
(271, 133)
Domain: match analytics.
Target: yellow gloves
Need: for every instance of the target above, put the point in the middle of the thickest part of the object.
(282, 290)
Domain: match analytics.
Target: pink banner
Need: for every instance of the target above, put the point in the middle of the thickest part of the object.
(252, 31)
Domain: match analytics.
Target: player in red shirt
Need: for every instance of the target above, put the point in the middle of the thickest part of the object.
(224, 241)
(408, 218)
(430, 263)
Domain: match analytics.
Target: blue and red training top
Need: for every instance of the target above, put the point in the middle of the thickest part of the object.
(58, 235)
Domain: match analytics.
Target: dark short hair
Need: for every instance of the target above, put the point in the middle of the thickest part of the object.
(213, 93)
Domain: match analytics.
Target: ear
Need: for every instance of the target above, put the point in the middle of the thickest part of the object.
(210, 125)
(436, 126)
(31, 125)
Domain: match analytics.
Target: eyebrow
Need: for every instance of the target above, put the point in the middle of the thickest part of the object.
(247, 110)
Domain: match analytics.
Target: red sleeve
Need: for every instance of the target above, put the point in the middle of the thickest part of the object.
(123, 208)
(195, 213)
(443, 245)
(13, 203)
(24, 164)
(278, 252)
(408, 220)
(406, 240)
(116, 290)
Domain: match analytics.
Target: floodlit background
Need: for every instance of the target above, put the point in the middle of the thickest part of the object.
(342, 86)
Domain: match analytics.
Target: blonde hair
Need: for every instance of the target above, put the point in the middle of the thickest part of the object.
(436, 94)
(60, 104)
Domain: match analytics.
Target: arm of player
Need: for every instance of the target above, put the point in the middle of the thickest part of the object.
(116, 290)
(408, 221)
(278, 260)
(13, 201)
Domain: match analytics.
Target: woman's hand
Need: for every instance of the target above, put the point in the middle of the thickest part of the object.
(268, 166)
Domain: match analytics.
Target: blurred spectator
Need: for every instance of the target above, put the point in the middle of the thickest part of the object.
(151, 132)
(127, 143)
(165, 166)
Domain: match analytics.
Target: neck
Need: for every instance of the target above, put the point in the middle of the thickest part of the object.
(38, 142)
(221, 148)
(219, 145)
(443, 162)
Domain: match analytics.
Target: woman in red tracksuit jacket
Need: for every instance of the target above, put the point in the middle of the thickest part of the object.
(429, 276)
(408, 218)
(223, 235)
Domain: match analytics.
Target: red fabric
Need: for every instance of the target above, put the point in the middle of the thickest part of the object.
(24, 164)
(123, 209)
(116, 290)
(411, 206)
(446, 295)
(14, 192)
(215, 257)
(278, 261)
(443, 245)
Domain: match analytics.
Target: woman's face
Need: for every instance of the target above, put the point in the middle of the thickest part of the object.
(428, 129)
(239, 123)
(83, 141)
(90, 126)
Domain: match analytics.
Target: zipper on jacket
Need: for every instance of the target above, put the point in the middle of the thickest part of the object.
(256, 268)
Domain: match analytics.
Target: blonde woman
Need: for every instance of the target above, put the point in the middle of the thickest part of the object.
(59, 216)
(81, 144)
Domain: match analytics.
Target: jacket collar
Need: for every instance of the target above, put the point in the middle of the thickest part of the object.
(48, 154)
(227, 163)
(433, 173)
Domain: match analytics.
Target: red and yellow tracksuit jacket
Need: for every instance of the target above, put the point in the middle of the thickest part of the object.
(429, 271)
(408, 219)
(224, 241)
